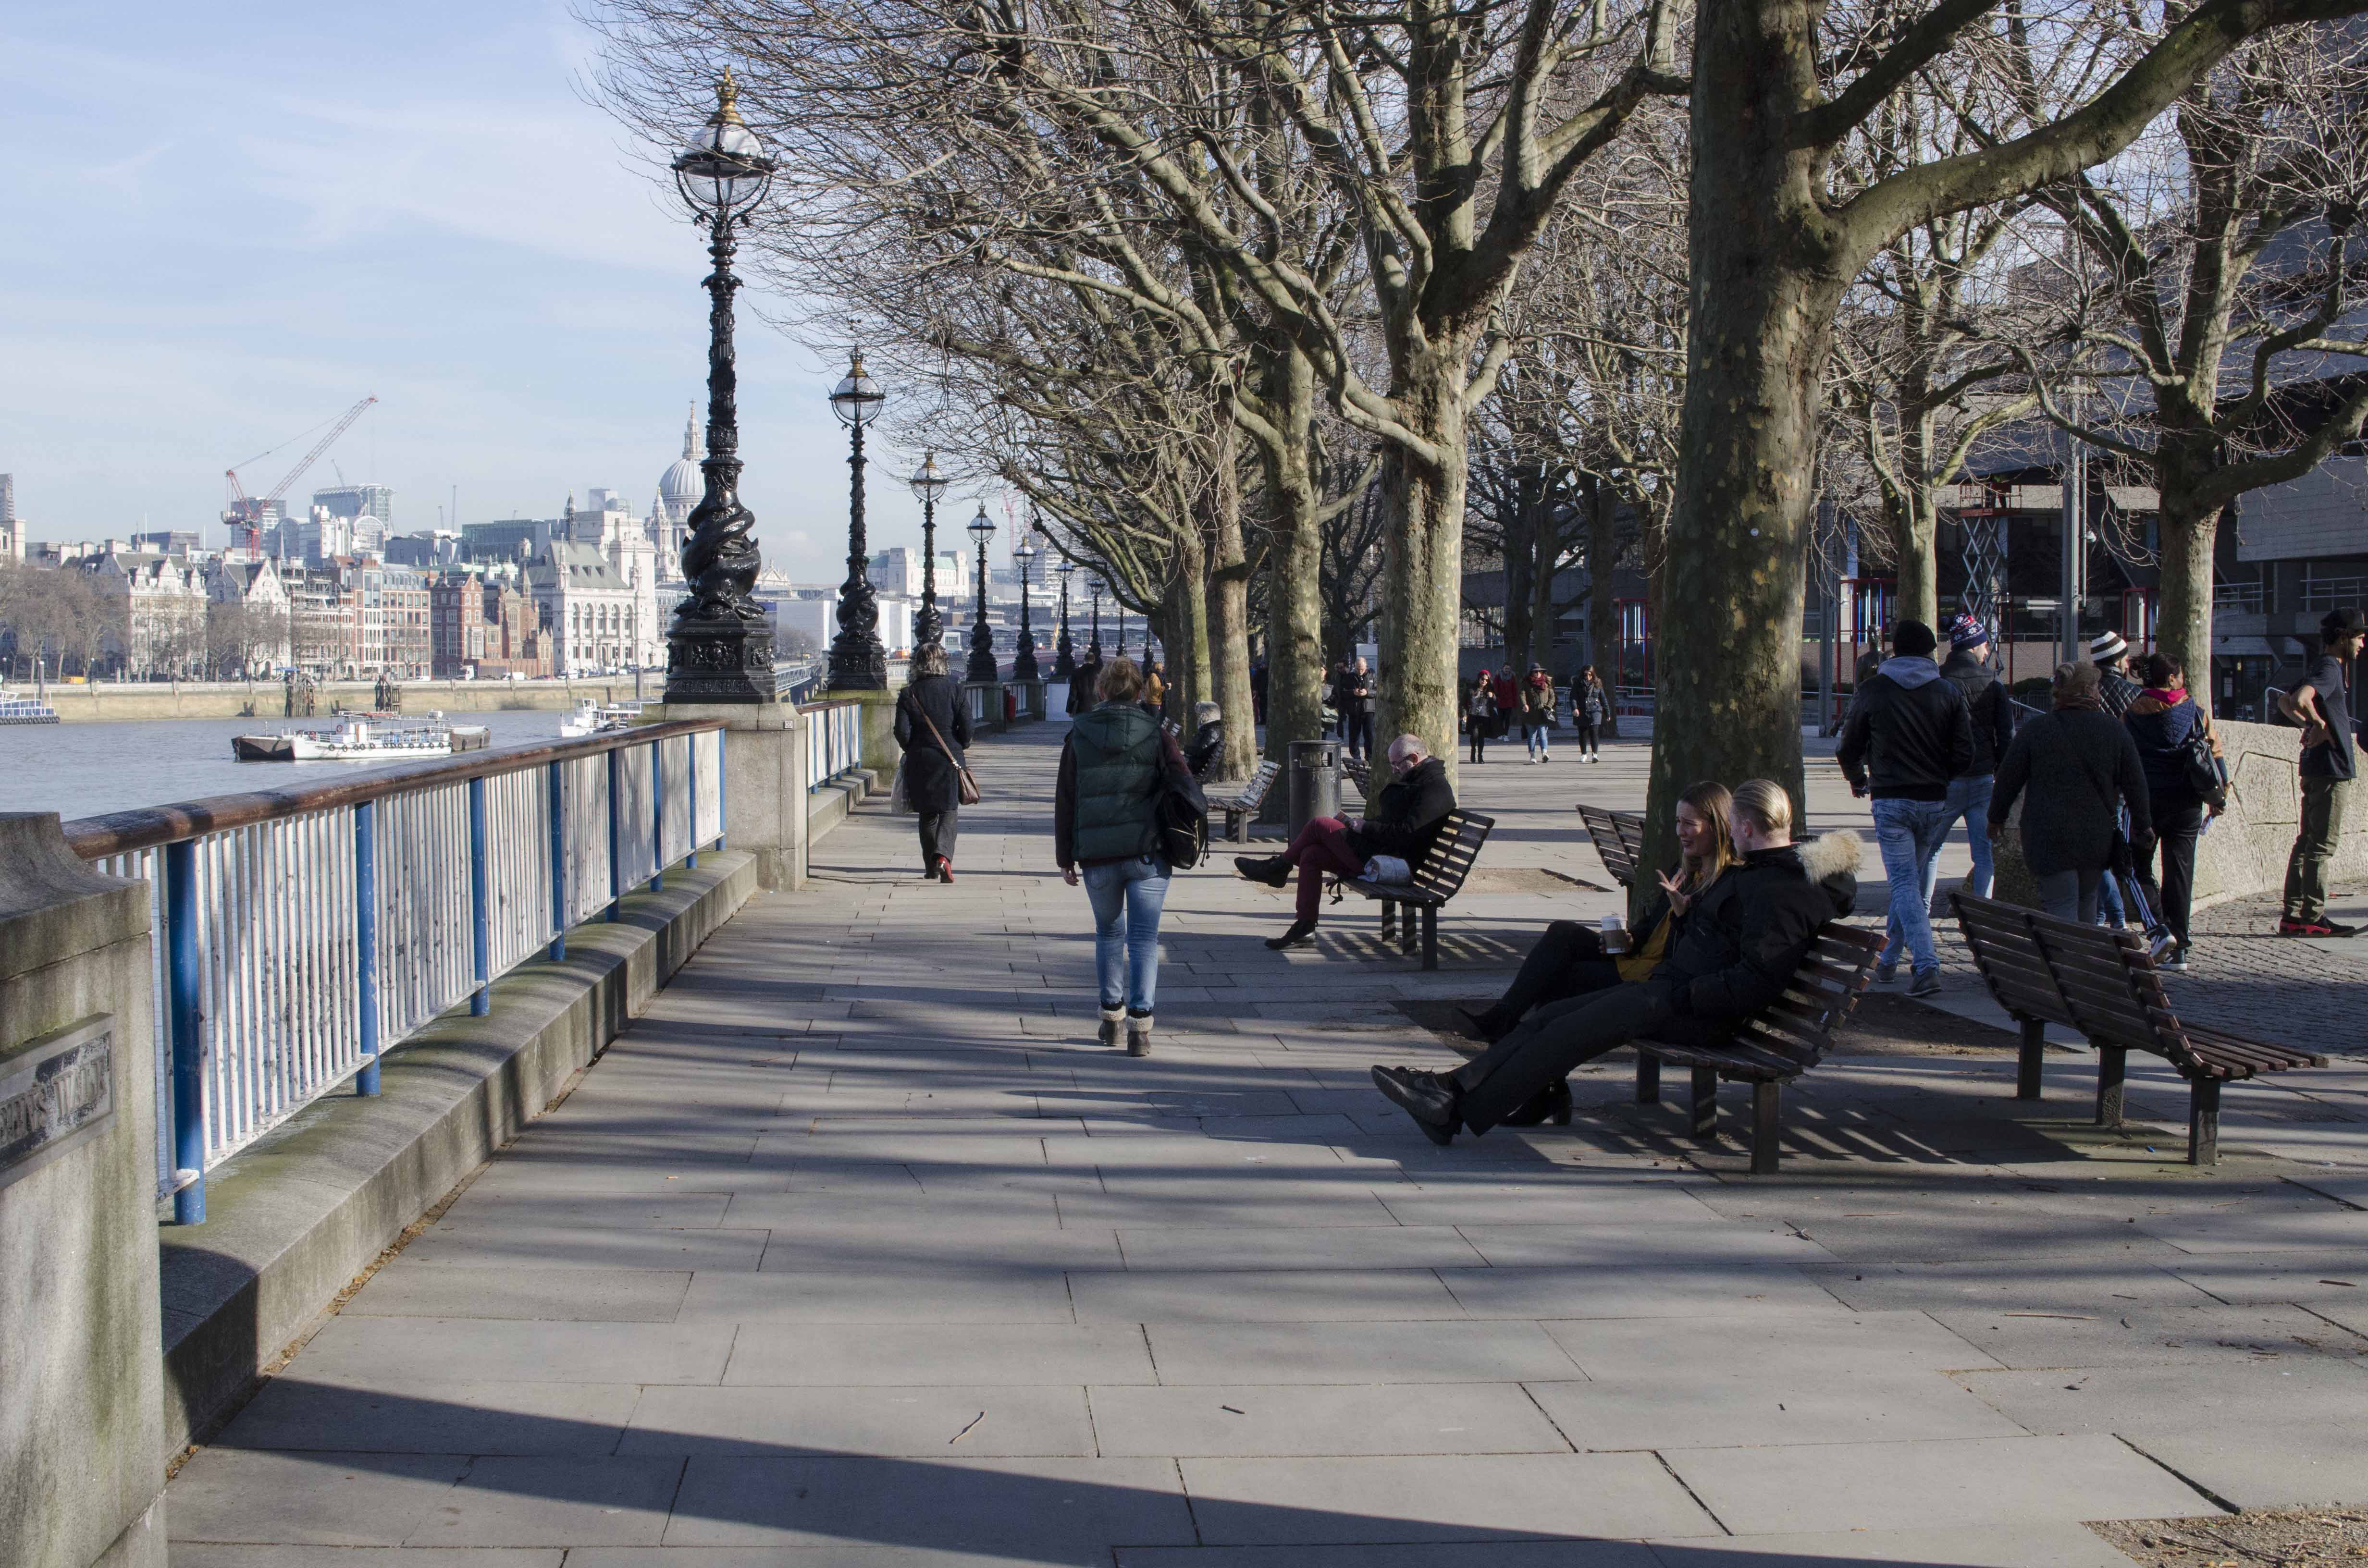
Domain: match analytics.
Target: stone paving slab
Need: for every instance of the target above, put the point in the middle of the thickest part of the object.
(857, 1252)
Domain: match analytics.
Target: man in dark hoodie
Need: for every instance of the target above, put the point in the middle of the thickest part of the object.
(1406, 816)
(1733, 951)
(1968, 669)
(1909, 734)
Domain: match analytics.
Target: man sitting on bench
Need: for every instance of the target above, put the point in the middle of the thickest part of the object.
(1733, 952)
(1406, 816)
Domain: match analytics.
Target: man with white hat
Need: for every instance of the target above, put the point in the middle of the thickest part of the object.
(2109, 652)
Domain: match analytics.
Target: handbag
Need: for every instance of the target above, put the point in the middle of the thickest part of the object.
(965, 785)
(2206, 769)
(1180, 815)
(899, 800)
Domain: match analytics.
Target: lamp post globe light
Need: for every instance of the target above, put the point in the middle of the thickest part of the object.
(1065, 657)
(1023, 662)
(929, 483)
(981, 635)
(857, 662)
(719, 648)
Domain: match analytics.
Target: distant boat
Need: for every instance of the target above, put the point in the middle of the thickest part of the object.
(592, 718)
(364, 739)
(17, 709)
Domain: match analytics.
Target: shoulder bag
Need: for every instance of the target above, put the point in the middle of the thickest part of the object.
(966, 786)
(2205, 771)
(1179, 814)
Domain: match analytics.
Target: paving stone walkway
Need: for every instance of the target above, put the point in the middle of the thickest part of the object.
(857, 1250)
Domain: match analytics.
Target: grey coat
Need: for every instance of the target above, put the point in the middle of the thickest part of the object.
(2080, 768)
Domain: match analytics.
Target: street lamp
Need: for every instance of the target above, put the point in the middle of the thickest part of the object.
(1023, 662)
(719, 648)
(1064, 658)
(1093, 649)
(857, 662)
(981, 635)
(930, 482)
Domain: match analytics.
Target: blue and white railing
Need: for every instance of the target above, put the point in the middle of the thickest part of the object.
(301, 934)
(834, 740)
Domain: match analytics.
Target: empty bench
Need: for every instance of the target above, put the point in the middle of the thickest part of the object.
(1242, 806)
(1438, 877)
(1619, 839)
(2103, 983)
(1775, 1045)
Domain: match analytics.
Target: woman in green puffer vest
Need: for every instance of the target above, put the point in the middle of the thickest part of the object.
(1105, 834)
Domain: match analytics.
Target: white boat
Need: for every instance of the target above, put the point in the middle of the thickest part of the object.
(592, 718)
(18, 709)
(361, 740)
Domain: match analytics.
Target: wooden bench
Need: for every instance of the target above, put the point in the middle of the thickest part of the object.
(1244, 804)
(1359, 771)
(1436, 879)
(1619, 839)
(1775, 1045)
(2103, 983)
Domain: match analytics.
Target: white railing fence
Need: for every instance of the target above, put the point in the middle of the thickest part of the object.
(301, 934)
(834, 740)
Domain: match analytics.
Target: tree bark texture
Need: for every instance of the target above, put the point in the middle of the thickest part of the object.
(1546, 617)
(1294, 602)
(1602, 611)
(1422, 573)
(1228, 615)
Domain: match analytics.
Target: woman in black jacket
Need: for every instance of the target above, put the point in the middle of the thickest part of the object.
(2162, 722)
(933, 726)
(2081, 768)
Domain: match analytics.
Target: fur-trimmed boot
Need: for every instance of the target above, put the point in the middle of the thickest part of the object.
(1138, 1034)
(1113, 1021)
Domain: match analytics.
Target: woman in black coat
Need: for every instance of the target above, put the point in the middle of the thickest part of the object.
(2081, 770)
(932, 761)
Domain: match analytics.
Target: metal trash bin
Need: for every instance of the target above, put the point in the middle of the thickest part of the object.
(1315, 782)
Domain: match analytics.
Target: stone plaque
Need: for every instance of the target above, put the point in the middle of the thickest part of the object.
(55, 1092)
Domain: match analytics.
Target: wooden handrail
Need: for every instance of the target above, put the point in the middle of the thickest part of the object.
(144, 827)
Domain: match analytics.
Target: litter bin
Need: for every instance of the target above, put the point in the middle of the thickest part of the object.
(1315, 782)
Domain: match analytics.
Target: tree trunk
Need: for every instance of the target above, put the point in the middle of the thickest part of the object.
(1602, 613)
(1184, 637)
(1918, 562)
(1228, 614)
(1422, 573)
(2183, 610)
(1294, 638)
(1521, 558)
(1765, 288)
(1544, 610)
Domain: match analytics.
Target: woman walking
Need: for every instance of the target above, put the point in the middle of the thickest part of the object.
(1106, 835)
(1588, 708)
(1537, 712)
(2081, 767)
(2162, 722)
(1480, 714)
(933, 728)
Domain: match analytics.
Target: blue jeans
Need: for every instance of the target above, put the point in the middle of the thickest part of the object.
(1909, 834)
(2109, 891)
(1969, 798)
(1127, 896)
(1539, 737)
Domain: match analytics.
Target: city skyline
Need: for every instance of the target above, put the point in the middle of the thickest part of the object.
(461, 233)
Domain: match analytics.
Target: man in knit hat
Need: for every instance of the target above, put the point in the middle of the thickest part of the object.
(1968, 668)
(2110, 651)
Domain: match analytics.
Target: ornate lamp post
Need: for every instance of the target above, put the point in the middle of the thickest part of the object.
(929, 483)
(719, 648)
(857, 662)
(1023, 662)
(981, 635)
(1064, 657)
(1093, 649)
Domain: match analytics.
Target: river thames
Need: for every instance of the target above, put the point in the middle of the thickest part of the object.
(84, 771)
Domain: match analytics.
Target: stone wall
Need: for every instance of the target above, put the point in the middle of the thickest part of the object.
(2245, 852)
(111, 701)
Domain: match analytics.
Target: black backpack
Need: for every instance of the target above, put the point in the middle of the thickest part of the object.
(1180, 815)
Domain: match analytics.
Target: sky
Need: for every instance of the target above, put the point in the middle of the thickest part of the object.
(221, 227)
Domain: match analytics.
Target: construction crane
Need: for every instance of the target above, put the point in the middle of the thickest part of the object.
(246, 514)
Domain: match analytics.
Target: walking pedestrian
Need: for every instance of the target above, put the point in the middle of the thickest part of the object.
(1106, 835)
(1363, 702)
(1336, 694)
(2081, 768)
(1155, 689)
(933, 726)
(1968, 669)
(1509, 701)
(1589, 706)
(1537, 712)
(2117, 693)
(2163, 722)
(1480, 714)
(1407, 815)
(1257, 690)
(2322, 705)
(1081, 684)
(1909, 733)
(1735, 950)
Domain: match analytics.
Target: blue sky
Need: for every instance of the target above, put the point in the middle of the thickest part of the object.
(221, 226)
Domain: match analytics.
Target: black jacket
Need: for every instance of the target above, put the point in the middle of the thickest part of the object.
(1906, 736)
(1738, 945)
(2081, 767)
(1406, 814)
(1992, 710)
(931, 781)
(1208, 745)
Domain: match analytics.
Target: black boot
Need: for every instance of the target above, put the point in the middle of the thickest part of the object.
(1549, 1104)
(1300, 932)
(1274, 870)
(1489, 1025)
(1434, 1100)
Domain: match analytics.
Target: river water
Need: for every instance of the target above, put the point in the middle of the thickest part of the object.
(83, 770)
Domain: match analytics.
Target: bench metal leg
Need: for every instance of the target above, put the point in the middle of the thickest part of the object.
(1237, 826)
(1409, 931)
(1767, 1110)
(2113, 1066)
(2026, 1067)
(1648, 1078)
(1429, 936)
(1705, 1125)
(2204, 1123)
(1389, 919)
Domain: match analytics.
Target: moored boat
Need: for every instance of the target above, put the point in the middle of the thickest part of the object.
(592, 718)
(18, 709)
(359, 739)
